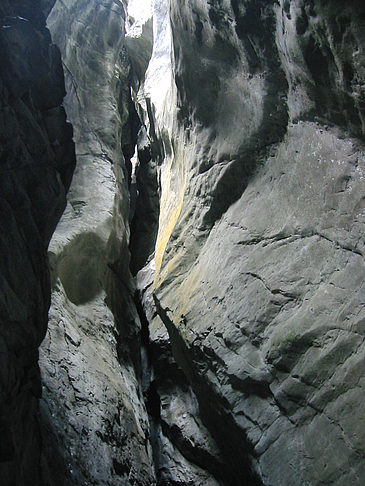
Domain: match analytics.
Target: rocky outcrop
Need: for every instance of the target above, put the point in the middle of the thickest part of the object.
(37, 161)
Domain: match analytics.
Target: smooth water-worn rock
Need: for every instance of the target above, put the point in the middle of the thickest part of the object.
(247, 119)
(37, 161)
(92, 405)
(257, 216)
(220, 151)
(260, 255)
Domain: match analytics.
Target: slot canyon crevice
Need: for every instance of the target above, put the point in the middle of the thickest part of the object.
(182, 215)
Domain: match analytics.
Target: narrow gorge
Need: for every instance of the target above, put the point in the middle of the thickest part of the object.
(182, 296)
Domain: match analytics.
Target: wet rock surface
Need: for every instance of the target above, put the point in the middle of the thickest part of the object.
(37, 161)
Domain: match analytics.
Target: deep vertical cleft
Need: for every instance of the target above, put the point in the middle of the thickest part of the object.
(206, 325)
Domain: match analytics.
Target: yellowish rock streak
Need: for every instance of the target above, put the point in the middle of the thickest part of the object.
(165, 230)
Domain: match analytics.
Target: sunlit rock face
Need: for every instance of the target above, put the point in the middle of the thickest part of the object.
(259, 262)
(37, 161)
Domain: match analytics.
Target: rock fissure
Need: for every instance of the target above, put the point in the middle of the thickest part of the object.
(207, 317)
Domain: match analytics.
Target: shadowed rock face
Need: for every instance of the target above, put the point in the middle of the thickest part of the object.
(235, 356)
(37, 161)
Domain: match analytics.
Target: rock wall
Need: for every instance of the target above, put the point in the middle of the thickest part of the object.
(259, 259)
(37, 161)
(220, 150)
(92, 408)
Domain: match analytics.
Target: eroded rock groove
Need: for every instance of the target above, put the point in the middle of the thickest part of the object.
(207, 275)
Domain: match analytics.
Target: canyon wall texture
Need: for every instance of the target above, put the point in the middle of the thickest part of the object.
(246, 210)
(37, 161)
(92, 406)
(259, 261)
(207, 321)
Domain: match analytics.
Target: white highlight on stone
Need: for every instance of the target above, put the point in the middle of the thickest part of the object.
(158, 84)
(139, 12)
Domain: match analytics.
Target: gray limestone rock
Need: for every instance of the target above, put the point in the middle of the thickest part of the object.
(92, 405)
(37, 161)
(220, 150)
(259, 259)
